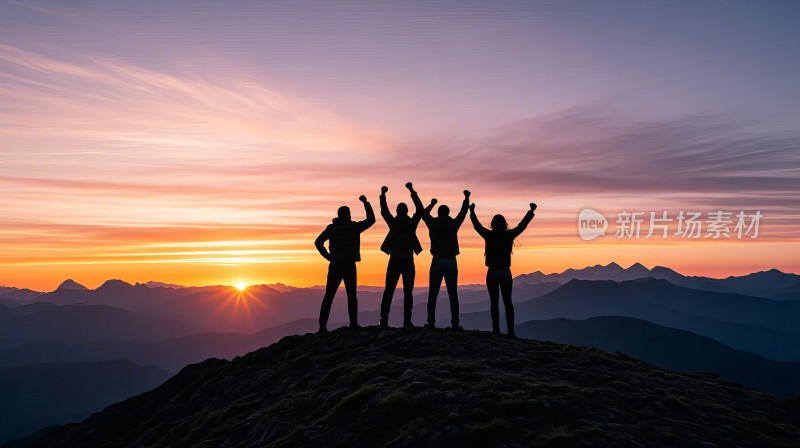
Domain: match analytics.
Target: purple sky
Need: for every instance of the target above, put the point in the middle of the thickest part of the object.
(257, 119)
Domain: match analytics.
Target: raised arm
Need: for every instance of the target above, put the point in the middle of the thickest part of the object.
(420, 212)
(320, 243)
(427, 210)
(387, 216)
(482, 231)
(415, 198)
(423, 214)
(367, 223)
(463, 212)
(516, 231)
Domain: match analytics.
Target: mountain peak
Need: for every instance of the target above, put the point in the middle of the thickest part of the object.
(280, 287)
(114, 283)
(72, 285)
(394, 387)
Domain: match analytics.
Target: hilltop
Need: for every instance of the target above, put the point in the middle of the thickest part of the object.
(423, 388)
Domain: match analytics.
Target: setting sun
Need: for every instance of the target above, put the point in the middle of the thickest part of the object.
(241, 286)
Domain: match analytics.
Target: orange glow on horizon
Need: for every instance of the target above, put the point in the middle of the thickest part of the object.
(309, 269)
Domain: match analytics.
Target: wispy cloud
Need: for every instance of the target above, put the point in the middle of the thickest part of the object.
(102, 159)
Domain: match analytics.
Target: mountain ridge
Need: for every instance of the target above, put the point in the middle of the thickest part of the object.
(771, 283)
(670, 348)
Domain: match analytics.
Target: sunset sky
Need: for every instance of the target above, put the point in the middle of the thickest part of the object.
(167, 141)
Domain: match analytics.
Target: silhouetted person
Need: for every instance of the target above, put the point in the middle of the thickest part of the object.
(401, 244)
(499, 245)
(344, 240)
(443, 231)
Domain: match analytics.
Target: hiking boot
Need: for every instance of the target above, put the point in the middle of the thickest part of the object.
(383, 324)
(458, 327)
(430, 326)
(322, 329)
(408, 324)
(354, 326)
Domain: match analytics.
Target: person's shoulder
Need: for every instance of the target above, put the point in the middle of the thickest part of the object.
(341, 225)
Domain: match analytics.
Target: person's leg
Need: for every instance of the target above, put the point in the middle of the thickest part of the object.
(331, 285)
(451, 280)
(392, 276)
(434, 283)
(494, 290)
(506, 284)
(350, 277)
(409, 272)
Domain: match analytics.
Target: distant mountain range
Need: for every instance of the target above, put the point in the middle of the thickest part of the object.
(80, 324)
(772, 284)
(212, 308)
(226, 309)
(18, 295)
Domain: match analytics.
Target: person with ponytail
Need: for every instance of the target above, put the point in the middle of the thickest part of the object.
(499, 240)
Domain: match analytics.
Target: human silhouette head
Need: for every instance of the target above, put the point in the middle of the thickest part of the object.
(402, 209)
(444, 211)
(344, 213)
(499, 223)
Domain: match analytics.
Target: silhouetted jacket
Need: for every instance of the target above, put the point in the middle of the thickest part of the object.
(499, 243)
(401, 242)
(442, 230)
(345, 236)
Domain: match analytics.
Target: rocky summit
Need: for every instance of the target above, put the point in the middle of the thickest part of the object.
(435, 388)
